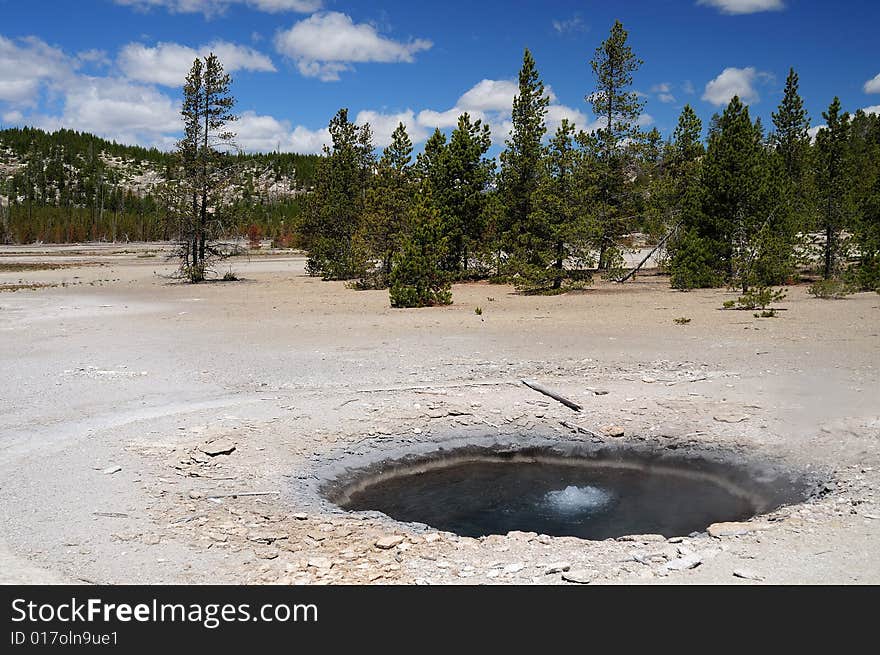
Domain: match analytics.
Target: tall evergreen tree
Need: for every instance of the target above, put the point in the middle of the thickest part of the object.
(388, 204)
(739, 233)
(618, 107)
(834, 184)
(464, 174)
(791, 138)
(204, 165)
(865, 159)
(335, 210)
(554, 246)
(521, 158)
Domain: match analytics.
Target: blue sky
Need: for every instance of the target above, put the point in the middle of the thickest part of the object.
(114, 67)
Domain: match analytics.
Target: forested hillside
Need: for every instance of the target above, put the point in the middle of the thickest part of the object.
(67, 186)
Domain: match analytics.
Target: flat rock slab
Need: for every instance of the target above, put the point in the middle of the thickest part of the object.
(579, 576)
(734, 528)
(389, 541)
(219, 447)
(747, 574)
(684, 563)
(642, 538)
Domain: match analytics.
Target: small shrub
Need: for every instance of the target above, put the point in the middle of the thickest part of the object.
(830, 289)
(478, 311)
(756, 298)
(681, 320)
(254, 236)
(230, 276)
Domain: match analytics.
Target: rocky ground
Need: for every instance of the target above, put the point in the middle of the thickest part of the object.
(152, 431)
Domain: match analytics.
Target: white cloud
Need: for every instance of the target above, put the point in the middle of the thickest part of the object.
(256, 133)
(555, 114)
(383, 125)
(664, 92)
(13, 116)
(688, 87)
(326, 44)
(26, 65)
(216, 7)
(873, 109)
(94, 56)
(813, 131)
(491, 101)
(873, 85)
(735, 7)
(733, 82)
(111, 107)
(569, 25)
(169, 63)
(441, 119)
(117, 109)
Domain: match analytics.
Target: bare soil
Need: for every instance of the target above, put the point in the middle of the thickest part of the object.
(134, 407)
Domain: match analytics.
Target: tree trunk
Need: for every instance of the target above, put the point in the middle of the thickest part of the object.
(829, 252)
(560, 256)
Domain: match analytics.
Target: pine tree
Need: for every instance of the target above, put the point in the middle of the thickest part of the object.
(834, 184)
(388, 204)
(739, 223)
(521, 159)
(204, 166)
(792, 123)
(553, 248)
(619, 109)
(459, 192)
(864, 153)
(335, 210)
(417, 275)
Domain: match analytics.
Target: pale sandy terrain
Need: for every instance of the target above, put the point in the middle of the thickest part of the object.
(122, 368)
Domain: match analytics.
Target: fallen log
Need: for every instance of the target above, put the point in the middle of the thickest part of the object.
(650, 254)
(540, 388)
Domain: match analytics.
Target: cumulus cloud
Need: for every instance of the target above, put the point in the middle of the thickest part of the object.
(734, 82)
(735, 7)
(491, 101)
(327, 44)
(169, 63)
(873, 109)
(115, 109)
(873, 85)
(216, 7)
(25, 65)
(383, 125)
(111, 107)
(256, 133)
(664, 92)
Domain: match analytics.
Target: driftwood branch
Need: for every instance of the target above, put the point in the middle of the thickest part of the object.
(244, 493)
(439, 385)
(579, 428)
(650, 254)
(540, 388)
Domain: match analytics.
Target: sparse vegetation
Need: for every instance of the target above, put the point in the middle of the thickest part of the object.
(756, 298)
(831, 289)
